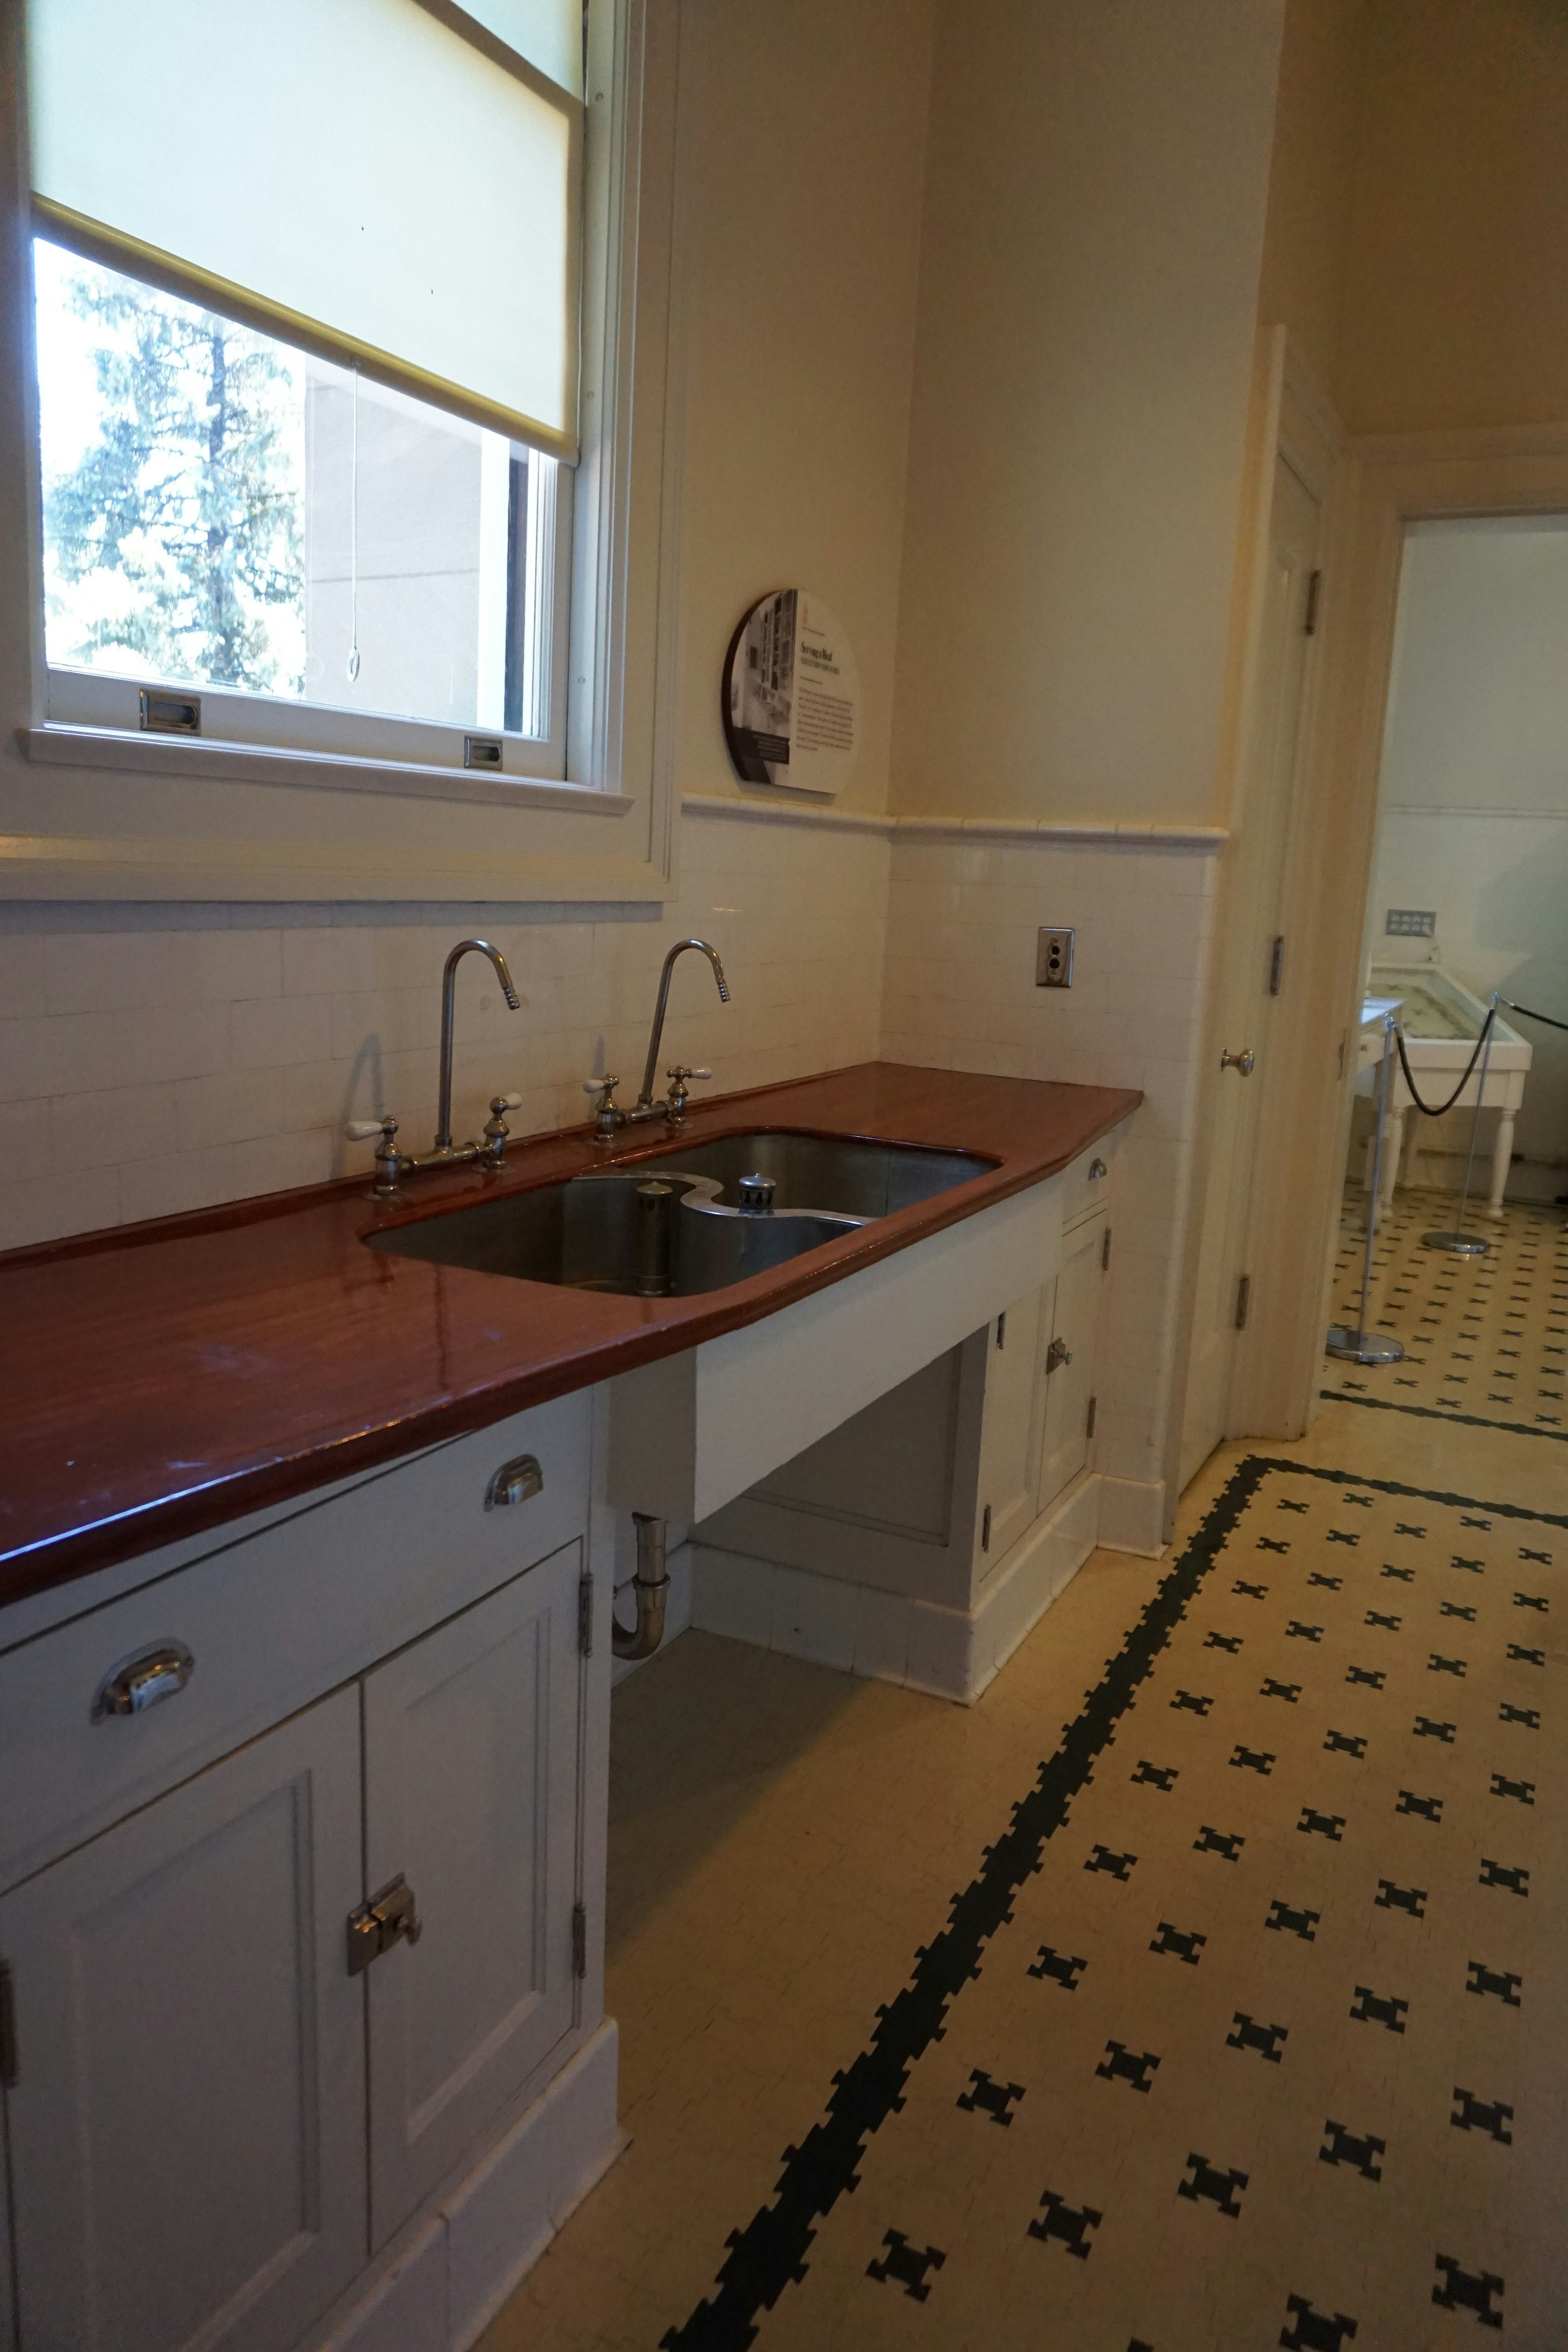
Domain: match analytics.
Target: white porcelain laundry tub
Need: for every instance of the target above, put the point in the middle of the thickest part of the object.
(1441, 1022)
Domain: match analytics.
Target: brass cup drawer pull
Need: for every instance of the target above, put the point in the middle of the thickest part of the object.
(517, 1481)
(138, 1682)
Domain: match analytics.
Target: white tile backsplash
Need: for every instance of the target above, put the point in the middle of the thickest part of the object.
(156, 1059)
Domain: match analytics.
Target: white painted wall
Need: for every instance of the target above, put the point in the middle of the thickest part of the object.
(1473, 804)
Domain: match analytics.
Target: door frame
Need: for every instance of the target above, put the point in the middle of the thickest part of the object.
(1290, 418)
(1382, 484)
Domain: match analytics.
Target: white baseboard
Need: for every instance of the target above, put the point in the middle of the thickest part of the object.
(1132, 1515)
(453, 2270)
(951, 1653)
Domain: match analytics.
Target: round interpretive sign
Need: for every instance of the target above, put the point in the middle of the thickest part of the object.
(791, 697)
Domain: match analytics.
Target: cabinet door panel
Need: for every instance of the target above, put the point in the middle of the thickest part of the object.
(1007, 1443)
(472, 1739)
(1064, 1449)
(187, 2126)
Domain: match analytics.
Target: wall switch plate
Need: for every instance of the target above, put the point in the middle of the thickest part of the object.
(1053, 960)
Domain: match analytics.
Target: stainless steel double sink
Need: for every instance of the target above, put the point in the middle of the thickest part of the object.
(591, 1232)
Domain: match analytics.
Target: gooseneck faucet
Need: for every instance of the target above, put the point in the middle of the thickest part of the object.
(449, 1018)
(392, 1165)
(610, 1118)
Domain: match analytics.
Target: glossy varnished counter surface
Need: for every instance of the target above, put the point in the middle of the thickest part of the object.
(158, 1379)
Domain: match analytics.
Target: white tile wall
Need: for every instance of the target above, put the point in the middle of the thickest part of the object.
(155, 1059)
(961, 994)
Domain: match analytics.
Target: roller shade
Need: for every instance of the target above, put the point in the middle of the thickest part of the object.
(392, 183)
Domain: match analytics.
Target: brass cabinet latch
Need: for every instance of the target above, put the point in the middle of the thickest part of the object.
(388, 1918)
(1057, 1354)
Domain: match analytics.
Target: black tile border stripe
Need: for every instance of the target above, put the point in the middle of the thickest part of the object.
(769, 2253)
(1431, 1412)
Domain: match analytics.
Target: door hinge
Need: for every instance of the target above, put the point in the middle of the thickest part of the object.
(1088, 1426)
(1277, 964)
(986, 1528)
(1105, 1252)
(388, 1918)
(585, 1616)
(1243, 1300)
(9, 2069)
(1002, 1329)
(579, 1939)
(1314, 596)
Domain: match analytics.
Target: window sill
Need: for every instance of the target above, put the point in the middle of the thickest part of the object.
(56, 745)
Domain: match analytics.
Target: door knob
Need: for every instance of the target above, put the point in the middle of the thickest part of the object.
(1242, 1064)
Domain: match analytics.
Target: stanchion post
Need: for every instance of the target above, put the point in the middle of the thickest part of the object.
(1360, 1346)
(1459, 1243)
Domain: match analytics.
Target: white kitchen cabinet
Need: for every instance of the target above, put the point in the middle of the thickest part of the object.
(1067, 1391)
(188, 2123)
(471, 1747)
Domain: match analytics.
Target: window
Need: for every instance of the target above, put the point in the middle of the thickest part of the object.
(426, 255)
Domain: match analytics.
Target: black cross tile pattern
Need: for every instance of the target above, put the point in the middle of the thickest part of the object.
(1492, 2116)
(1185, 1944)
(1216, 2188)
(1121, 2064)
(1462, 2290)
(1310, 2330)
(1246, 2033)
(1402, 1949)
(905, 2267)
(1342, 2147)
(1480, 1351)
(1071, 2227)
(984, 2097)
(1059, 1968)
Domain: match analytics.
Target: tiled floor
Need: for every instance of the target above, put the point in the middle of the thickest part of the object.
(1483, 1337)
(1241, 2028)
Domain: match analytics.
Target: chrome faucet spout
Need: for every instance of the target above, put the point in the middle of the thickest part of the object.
(644, 1099)
(449, 1018)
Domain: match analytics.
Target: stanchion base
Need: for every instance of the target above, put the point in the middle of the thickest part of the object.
(1361, 1347)
(1456, 1244)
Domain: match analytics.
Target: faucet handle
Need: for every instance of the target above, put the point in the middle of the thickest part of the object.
(675, 1106)
(600, 1085)
(389, 1164)
(610, 1117)
(680, 1071)
(496, 1129)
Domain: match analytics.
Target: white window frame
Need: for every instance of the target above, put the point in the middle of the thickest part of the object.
(294, 800)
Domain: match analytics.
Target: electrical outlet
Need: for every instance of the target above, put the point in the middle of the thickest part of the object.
(1053, 960)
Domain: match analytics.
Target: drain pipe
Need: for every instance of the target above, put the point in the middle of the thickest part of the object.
(651, 1586)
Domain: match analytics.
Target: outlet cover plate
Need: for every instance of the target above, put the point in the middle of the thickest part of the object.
(1053, 960)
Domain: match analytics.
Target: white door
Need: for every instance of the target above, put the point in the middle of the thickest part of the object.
(470, 1747)
(1012, 1373)
(1252, 895)
(1073, 1344)
(187, 2121)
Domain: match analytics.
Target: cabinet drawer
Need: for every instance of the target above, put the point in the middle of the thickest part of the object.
(270, 1623)
(1086, 1182)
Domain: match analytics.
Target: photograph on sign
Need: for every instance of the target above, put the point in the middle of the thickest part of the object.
(790, 696)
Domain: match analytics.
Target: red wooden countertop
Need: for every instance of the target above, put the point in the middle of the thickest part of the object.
(158, 1379)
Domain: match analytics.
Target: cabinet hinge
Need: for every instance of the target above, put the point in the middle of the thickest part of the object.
(1277, 963)
(579, 1939)
(1314, 596)
(388, 1918)
(1093, 1405)
(1243, 1300)
(8, 2028)
(585, 1616)
(1105, 1252)
(986, 1528)
(1002, 1329)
